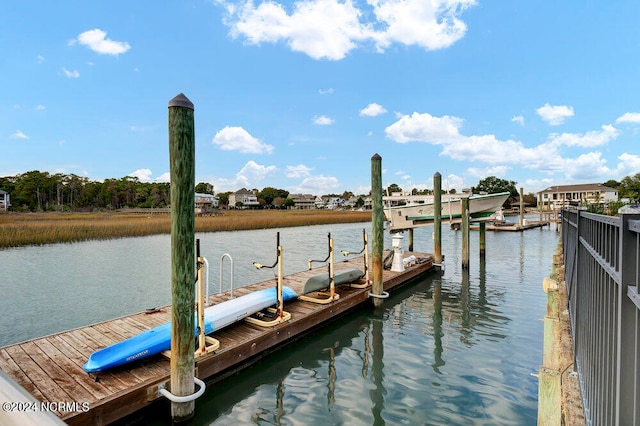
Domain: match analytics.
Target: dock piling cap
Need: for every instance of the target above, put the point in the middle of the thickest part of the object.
(181, 101)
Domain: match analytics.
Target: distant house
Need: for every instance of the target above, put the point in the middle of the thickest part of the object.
(4, 201)
(303, 201)
(205, 203)
(335, 203)
(555, 197)
(243, 198)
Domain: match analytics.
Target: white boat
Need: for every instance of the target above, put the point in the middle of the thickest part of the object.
(418, 211)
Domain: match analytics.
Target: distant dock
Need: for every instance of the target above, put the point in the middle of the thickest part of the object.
(50, 367)
(513, 227)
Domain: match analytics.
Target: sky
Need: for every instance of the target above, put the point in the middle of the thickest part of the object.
(300, 95)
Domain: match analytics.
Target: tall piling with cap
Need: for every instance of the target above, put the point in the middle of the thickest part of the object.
(437, 218)
(182, 172)
(465, 233)
(377, 227)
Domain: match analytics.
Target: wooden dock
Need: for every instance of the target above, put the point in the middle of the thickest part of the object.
(50, 368)
(513, 227)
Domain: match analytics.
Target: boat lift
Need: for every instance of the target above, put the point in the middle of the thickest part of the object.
(331, 294)
(279, 313)
(365, 249)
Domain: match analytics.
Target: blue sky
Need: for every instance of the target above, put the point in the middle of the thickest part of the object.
(300, 95)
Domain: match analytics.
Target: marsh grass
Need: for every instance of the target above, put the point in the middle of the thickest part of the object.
(23, 229)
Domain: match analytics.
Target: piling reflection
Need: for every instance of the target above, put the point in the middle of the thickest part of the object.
(377, 371)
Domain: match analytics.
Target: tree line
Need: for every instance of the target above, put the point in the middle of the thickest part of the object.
(42, 191)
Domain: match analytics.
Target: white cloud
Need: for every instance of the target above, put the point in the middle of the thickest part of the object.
(298, 171)
(252, 173)
(555, 114)
(328, 91)
(585, 140)
(518, 119)
(40, 59)
(143, 174)
(40, 107)
(498, 171)
(238, 139)
(629, 164)
(322, 120)
(546, 157)
(330, 29)
(372, 110)
(424, 128)
(70, 74)
(165, 177)
(317, 185)
(96, 40)
(18, 135)
(629, 117)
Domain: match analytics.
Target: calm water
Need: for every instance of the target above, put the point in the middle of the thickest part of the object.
(452, 349)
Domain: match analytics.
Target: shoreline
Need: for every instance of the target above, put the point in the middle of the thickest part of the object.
(33, 229)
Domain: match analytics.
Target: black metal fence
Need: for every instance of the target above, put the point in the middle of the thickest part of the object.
(602, 258)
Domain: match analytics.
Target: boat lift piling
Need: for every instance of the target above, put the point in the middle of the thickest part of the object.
(465, 233)
(182, 171)
(437, 219)
(377, 230)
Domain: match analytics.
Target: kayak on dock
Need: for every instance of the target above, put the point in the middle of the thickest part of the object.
(158, 339)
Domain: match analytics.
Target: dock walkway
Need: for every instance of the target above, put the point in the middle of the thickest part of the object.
(50, 368)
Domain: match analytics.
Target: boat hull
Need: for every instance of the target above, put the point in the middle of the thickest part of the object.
(411, 216)
(158, 339)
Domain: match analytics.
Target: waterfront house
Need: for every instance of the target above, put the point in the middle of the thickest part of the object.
(205, 203)
(556, 197)
(303, 201)
(243, 199)
(4, 201)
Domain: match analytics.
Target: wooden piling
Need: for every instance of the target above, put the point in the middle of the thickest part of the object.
(483, 240)
(182, 171)
(521, 206)
(437, 218)
(410, 247)
(377, 227)
(465, 233)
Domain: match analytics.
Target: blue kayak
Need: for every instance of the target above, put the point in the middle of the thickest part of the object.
(158, 339)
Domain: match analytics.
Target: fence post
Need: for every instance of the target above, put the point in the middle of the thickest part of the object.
(627, 361)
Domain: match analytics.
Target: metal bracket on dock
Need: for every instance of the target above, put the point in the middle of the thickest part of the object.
(318, 300)
(188, 398)
(286, 316)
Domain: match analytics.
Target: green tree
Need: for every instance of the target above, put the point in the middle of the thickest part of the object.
(288, 203)
(611, 183)
(393, 188)
(204, 188)
(269, 194)
(493, 185)
(630, 188)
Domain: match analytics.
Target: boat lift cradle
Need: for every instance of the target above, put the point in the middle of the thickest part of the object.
(331, 279)
(280, 314)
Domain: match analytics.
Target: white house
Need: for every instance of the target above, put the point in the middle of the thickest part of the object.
(4, 201)
(246, 198)
(303, 201)
(205, 203)
(555, 197)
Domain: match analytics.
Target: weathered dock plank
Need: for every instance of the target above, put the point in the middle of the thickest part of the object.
(50, 368)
